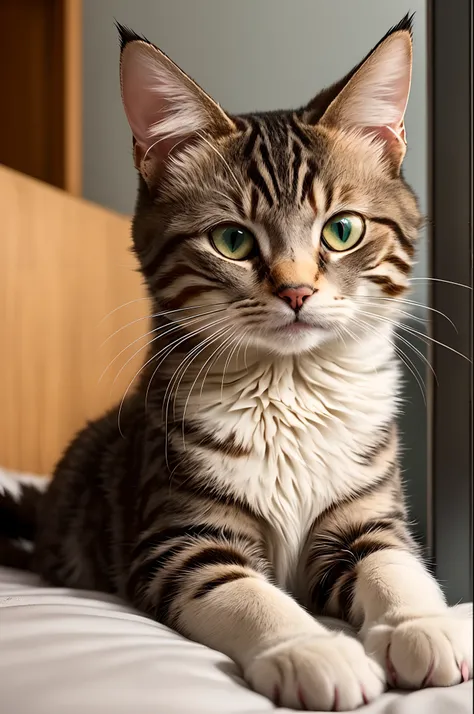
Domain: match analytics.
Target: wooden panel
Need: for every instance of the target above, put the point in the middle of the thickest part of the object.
(65, 264)
(40, 90)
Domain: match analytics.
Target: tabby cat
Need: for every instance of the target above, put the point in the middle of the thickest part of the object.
(251, 479)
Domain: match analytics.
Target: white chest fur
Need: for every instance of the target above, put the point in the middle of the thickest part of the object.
(304, 421)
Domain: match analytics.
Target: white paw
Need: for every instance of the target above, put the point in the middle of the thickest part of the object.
(322, 673)
(433, 651)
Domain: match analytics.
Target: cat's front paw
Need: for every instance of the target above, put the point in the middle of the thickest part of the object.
(433, 651)
(321, 673)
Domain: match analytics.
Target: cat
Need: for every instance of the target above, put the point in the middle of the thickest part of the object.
(251, 479)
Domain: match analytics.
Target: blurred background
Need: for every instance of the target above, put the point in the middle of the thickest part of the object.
(62, 122)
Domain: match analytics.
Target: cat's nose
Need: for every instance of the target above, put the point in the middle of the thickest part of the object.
(295, 296)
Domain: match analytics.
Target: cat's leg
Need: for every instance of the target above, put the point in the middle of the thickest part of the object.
(364, 566)
(407, 624)
(212, 583)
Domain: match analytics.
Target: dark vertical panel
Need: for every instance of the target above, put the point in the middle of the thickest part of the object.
(452, 233)
(32, 88)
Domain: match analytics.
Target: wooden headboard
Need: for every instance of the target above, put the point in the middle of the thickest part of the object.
(65, 270)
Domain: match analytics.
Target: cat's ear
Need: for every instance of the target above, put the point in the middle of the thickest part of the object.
(165, 108)
(374, 99)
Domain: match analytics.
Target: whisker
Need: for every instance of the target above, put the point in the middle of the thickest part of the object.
(150, 332)
(245, 354)
(420, 354)
(231, 354)
(173, 325)
(224, 345)
(160, 314)
(367, 326)
(405, 341)
(189, 356)
(414, 304)
(218, 353)
(403, 356)
(419, 335)
(414, 371)
(343, 328)
(448, 282)
(121, 306)
(186, 367)
(176, 343)
(340, 332)
(409, 315)
(185, 363)
(202, 346)
(174, 328)
(198, 374)
(423, 338)
(126, 392)
(238, 351)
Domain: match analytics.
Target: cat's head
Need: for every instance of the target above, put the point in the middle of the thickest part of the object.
(291, 227)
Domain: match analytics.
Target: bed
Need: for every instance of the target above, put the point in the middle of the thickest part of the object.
(66, 652)
(64, 267)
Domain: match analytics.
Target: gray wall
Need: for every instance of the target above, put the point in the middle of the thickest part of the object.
(253, 55)
(249, 55)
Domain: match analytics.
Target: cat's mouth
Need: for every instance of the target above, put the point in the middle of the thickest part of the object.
(298, 327)
(296, 336)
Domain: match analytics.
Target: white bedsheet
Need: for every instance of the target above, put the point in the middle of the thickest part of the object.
(74, 652)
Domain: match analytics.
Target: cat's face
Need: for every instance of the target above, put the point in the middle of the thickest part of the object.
(286, 229)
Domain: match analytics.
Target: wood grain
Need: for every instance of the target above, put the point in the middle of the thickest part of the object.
(65, 264)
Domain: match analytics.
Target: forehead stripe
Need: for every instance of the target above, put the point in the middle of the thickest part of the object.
(308, 181)
(295, 170)
(299, 133)
(253, 203)
(257, 179)
(265, 156)
(250, 145)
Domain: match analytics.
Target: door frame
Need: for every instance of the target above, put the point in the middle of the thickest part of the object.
(450, 62)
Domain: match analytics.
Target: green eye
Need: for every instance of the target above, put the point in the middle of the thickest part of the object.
(343, 231)
(233, 242)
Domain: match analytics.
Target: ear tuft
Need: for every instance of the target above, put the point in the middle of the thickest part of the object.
(405, 25)
(164, 106)
(127, 35)
(374, 99)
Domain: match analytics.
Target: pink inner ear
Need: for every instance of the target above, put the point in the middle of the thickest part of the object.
(165, 108)
(393, 140)
(392, 135)
(150, 160)
(391, 78)
(401, 91)
(143, 103)
(375, 98)
(146, 103)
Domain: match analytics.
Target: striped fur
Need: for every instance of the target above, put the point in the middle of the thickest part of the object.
(252, 476)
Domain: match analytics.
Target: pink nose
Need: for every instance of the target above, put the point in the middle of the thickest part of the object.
(295, 297)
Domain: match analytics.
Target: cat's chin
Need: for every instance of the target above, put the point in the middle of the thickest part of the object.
(294, 339)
